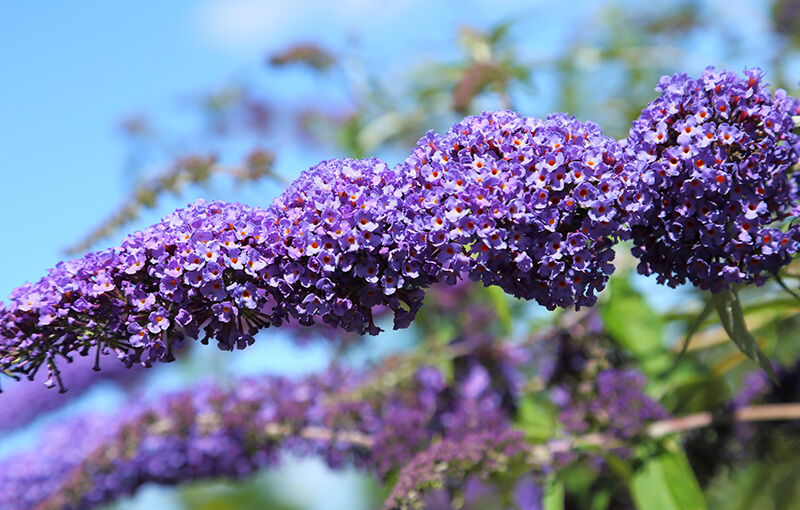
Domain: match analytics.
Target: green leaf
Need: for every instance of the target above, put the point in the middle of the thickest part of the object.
(499, 33)
(553, 497)
(619, 467)
(500, 301)
(667, 482)
(601, 499)
(536, 417)
(729, 307)
(635, 326)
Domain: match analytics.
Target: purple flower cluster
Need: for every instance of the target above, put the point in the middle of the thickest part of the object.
(714, 157)
(616, 404)
(480, 454)
(526, 204)
(202, 433)
(213, 432)
(533, 206)
(210, 431)
(30, 477)
(530, 205)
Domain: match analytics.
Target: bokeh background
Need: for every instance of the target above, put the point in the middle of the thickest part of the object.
(100, 98)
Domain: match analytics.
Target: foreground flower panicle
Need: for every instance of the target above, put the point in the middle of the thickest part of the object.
(714, 156)
(532, 206)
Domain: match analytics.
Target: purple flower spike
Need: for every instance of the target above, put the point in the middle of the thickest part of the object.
(532, 206)
(714, 156)
(617, 405)
(210, 431)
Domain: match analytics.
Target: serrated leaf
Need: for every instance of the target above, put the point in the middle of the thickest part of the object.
(729, 308)
(667, 482)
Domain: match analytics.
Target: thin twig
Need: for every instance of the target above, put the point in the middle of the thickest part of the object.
(354, 438)
(767, 412)
(786, 287)
(689, 334)
(656, 430)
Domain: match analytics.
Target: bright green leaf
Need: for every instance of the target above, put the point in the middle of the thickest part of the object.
(729, 307)
(536, 417)
(635, 326)
(667, 482)
(500, 301)
(553, 497)
(601, 499)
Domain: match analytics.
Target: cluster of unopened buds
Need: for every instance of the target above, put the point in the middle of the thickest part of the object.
(702, 185)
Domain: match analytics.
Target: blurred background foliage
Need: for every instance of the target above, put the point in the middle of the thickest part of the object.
(606, 72)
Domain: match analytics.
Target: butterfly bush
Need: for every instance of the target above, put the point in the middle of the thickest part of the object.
(232, 431)
(715, 157)
(703, 185)
(530, 205)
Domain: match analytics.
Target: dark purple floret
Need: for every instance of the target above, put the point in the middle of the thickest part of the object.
(717, 192)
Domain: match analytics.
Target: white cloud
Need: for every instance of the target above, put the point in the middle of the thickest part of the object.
(243, 25)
